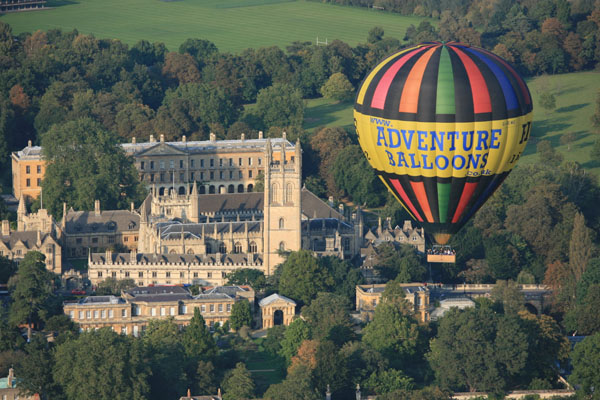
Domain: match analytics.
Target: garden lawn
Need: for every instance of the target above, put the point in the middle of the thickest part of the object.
(233, 25)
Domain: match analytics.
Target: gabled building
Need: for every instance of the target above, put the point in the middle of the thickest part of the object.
(406, 235)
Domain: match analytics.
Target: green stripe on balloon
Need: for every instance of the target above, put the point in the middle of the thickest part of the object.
(445, 85)
(443, 190)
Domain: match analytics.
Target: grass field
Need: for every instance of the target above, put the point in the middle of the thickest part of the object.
(575, 98)
(233, 25)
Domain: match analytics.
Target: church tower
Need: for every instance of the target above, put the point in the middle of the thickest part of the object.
(282, 208)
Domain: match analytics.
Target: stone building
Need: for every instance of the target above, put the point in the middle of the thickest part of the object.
(276, 310)
(98, 230)
(201, 237)
(131, 312)
(35, 232)
(28, 167)
(9, 388)
(369, 296)
(406, 235)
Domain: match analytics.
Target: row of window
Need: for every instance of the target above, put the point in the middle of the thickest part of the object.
(28, 169)
(97, 314)
(113, 274)
(28, 182)
(223, 162)
(154, 311)
(201, 176)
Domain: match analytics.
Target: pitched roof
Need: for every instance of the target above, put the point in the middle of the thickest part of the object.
(79, 222)
(28, 238)
(228, 202)
(314, 207)
(273, 298)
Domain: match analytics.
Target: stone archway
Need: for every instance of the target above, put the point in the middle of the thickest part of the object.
(277, 310)
(278, 317)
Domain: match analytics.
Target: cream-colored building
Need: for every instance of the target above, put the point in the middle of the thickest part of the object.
(276, 310)
(131, 312)
(35, 232)
(199, 238)
(28, 170)
(369, 296)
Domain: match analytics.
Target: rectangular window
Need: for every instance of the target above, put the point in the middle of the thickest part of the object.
(195, 274)
(202, 163)
(183, 310)
(259, 161)
(182, 275)
(28, 182)
(94, 240)
(124, 330)
(151, 177)
(99, 274)
(249, 161)
(96, 314)
(88, 314)
(209, 275)
(228, 307)
(168, 274)
(180, 163)
(192, 163)
(140, 274)
(126, 238)
(220, 307)
(80, 314)
(241, 174)
(212, 162)
(153, 312)
(111, 314)
(162, 164)
(240, 161)
(27, 169)
(191, 176)
(111, 239)
(181, 177)
(172, 310)
(124, 313)
(78, 240)
(39, 181)
(231, 162)
(201, 176)
(220, 162)
(103, 314)
(163, 312)
(171, 164)
(250, 173)
(230, 174)
(39, 169)
(72, 314)
(142, 165)
(203, 308)
(212, 308)
(126, 274)
(220, 174)
(212, 175)
(151, 164)
(154, 274)
(114, 274)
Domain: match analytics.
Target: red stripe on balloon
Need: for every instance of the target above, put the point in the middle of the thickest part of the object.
(419, 189)
(465, 197)
(386, 80)
(409, 101)
(396, 184)
(481, 96)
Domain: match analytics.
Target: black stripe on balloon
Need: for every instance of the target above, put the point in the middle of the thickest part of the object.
(373, 83)
(428, 91)
(404, 181)
(456, 188)
(432, 196)
(463, 97)
(499, 110)
(392, 101)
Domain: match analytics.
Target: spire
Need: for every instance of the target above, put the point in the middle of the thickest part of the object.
(195, 189)
(298, 157)
(143, 212)
(21, 210)
(269, 152)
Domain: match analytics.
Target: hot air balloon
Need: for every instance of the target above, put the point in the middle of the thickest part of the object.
(443, 124)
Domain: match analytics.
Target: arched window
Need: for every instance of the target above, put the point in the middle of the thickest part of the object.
(250, 188)
(190, 251)
(275, 193)
(181, 190)
(289, 189)
(231, 189)
(211, 189)
(172, 251)
(281, 223)
(252, 248)
(202, 189)
(281, 246)
(222, 248)
(238, 247)
(161, 191)
(240, 188)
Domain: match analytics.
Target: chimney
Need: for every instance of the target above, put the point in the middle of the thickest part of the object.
(132, 208)
(5, 227)
(133, 140)
(213, 137)
(328, 393)
(189, 394)
(358, 396)
(152, 139)
(133, 256)
(243, 137)
(260, 134)
(184, 139)
(11, 377)
(330, 201)
(29, 143)
(284, 135)
(162, 138)
(108, 256)
(97, 208)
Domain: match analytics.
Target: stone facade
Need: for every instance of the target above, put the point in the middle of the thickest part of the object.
(276, 310)
(406, 235)
(131, 312)
(28, 170)
(369, 296)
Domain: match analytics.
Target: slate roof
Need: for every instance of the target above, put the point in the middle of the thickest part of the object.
(330, 224)
(274, 297)
(29, 239)
(29, 153)
(229, 202)
(228, 290)
(314, 207)
(110, 221)
(173, 229)
(158, 293)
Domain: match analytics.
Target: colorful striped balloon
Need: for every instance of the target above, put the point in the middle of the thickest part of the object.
(443, 124)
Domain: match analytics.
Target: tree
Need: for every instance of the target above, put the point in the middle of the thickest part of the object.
(297, 385)
(7, 269)
(302, 277)
(328, 317)
(35, 369)
(84, 164)
(387, 381)
(375, 34)
(297, 332)
(327, 143)
(31, 292)
(247, 276)
(595, 118)
(280, 105)
(581, 247)
(338, 87)
(548, 154)
(238, 383)
(118, 362)
(353, 175)
(509, 296)
(201, 50)
(567, 138)
(547, 101)
(181, 68)
(399, 262)
(205, 377)
(114, 286)
(583, 317)
(586, 366)
(197, 340)
(240, 315)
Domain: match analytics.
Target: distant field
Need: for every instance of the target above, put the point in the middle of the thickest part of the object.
(233, 25)
(575, 97)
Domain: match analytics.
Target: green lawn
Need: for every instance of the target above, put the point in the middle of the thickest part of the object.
(233, 25)
(575, 98)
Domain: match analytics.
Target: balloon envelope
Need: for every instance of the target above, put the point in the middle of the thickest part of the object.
(443, 125)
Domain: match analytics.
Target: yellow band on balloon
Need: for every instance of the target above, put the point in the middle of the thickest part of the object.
(443, 149)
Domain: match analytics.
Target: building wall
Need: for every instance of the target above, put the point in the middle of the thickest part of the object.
(27, 176)
(369, 296)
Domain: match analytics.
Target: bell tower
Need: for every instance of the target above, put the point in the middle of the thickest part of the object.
(282, 208)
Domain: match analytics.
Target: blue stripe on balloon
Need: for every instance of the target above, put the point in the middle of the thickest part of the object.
(509, 93)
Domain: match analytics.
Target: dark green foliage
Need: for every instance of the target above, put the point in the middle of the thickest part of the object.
(273, 341)
(197, 340)
(302, 277)
(328, 317)
(355, 177)
(247, 276)
(86, 164)
(586, 365)
(113, 286)
(297, 332)
(241, 315)
(297, 385)
(400, 262)
(280, 105)
(35, 369)
(118, 362)
(7, 269)
(238, 383)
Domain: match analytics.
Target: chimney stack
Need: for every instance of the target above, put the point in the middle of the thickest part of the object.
(97, 208)
(184, 139)
(213, 137)
(133, 140)
(162, 138)
(11, 377)
(5, 227)
(284, 135)
(260, 134)
(29, 143)
(243, 137)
